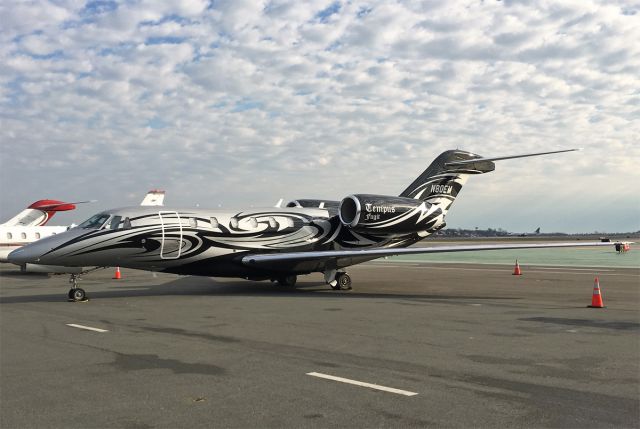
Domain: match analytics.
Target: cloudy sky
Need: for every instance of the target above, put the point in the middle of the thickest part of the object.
(241, 103)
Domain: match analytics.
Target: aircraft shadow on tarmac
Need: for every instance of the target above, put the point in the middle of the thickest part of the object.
(206, 286)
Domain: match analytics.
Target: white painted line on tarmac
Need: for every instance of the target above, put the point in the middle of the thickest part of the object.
(88, 328)
(362, 384)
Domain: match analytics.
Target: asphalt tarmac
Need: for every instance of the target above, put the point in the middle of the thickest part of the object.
(463, 345)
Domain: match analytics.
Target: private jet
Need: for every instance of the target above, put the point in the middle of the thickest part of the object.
(275, 243)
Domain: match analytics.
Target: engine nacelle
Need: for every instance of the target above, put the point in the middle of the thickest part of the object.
(389, 215)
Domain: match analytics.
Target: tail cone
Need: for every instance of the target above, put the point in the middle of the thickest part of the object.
(516, 270)
(117, 275)
(596, 298)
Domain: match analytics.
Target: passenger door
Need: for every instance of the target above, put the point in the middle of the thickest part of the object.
(171, 243)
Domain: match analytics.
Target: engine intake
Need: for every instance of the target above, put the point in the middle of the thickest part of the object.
(389, 215)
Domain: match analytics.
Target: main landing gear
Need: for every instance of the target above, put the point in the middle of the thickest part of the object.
(288, 281)
(75, 293)
(341, 282)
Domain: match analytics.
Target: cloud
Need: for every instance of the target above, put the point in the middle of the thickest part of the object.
(242, 102)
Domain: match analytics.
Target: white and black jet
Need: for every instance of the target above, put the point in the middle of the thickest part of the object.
(277, 243)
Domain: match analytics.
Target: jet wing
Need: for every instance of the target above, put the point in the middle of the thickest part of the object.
(332, 259)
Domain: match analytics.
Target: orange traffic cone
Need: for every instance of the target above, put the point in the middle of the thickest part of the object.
(516, 270)
(596, 298)
(117, 276)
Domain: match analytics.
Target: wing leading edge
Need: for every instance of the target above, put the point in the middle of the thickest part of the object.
(332, 259)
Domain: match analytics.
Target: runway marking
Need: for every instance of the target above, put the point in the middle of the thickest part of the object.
(88, 328)
(362, 384)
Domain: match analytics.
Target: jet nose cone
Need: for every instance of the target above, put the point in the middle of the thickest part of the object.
(40, 251)
(23, 255)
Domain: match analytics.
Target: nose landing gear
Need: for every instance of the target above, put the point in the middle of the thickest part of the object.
(76, 293)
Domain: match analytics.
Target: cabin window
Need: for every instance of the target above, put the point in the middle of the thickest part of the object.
(37, 236)
(9, 235)
(126, 224)
(115, 222)
(234, 222)
(23, 235)
(193, 222)
(214, 222)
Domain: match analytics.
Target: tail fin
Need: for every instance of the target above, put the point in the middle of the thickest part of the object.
(441, 182)
(39, 213)
(154, 197)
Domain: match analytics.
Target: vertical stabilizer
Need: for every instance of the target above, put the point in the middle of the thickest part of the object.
(441, 182)
(39, 213)
(154, 197)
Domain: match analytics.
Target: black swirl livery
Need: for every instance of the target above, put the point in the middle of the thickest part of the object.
(308, 235)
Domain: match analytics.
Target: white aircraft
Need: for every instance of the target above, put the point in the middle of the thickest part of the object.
(277, 243)
(30, 225)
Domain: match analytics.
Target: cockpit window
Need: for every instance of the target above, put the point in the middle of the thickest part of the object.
(115, 222)
(95, 221)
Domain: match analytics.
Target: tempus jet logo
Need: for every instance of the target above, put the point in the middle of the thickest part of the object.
(441, 189)
(372, 208)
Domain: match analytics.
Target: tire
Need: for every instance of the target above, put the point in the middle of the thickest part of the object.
(344, 281)
(78, 294)
(288, 281)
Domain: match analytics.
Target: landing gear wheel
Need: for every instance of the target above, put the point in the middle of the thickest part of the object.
(288, 281)
(344, 282)
(77, 294)
(335, 287)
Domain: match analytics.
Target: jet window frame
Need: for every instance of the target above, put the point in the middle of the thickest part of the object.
(97, 221)
(114, 223)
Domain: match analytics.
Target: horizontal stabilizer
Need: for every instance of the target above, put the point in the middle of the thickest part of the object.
(59, 206)
(500, 158)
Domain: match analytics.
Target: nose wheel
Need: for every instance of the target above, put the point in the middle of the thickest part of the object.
(75, 293)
